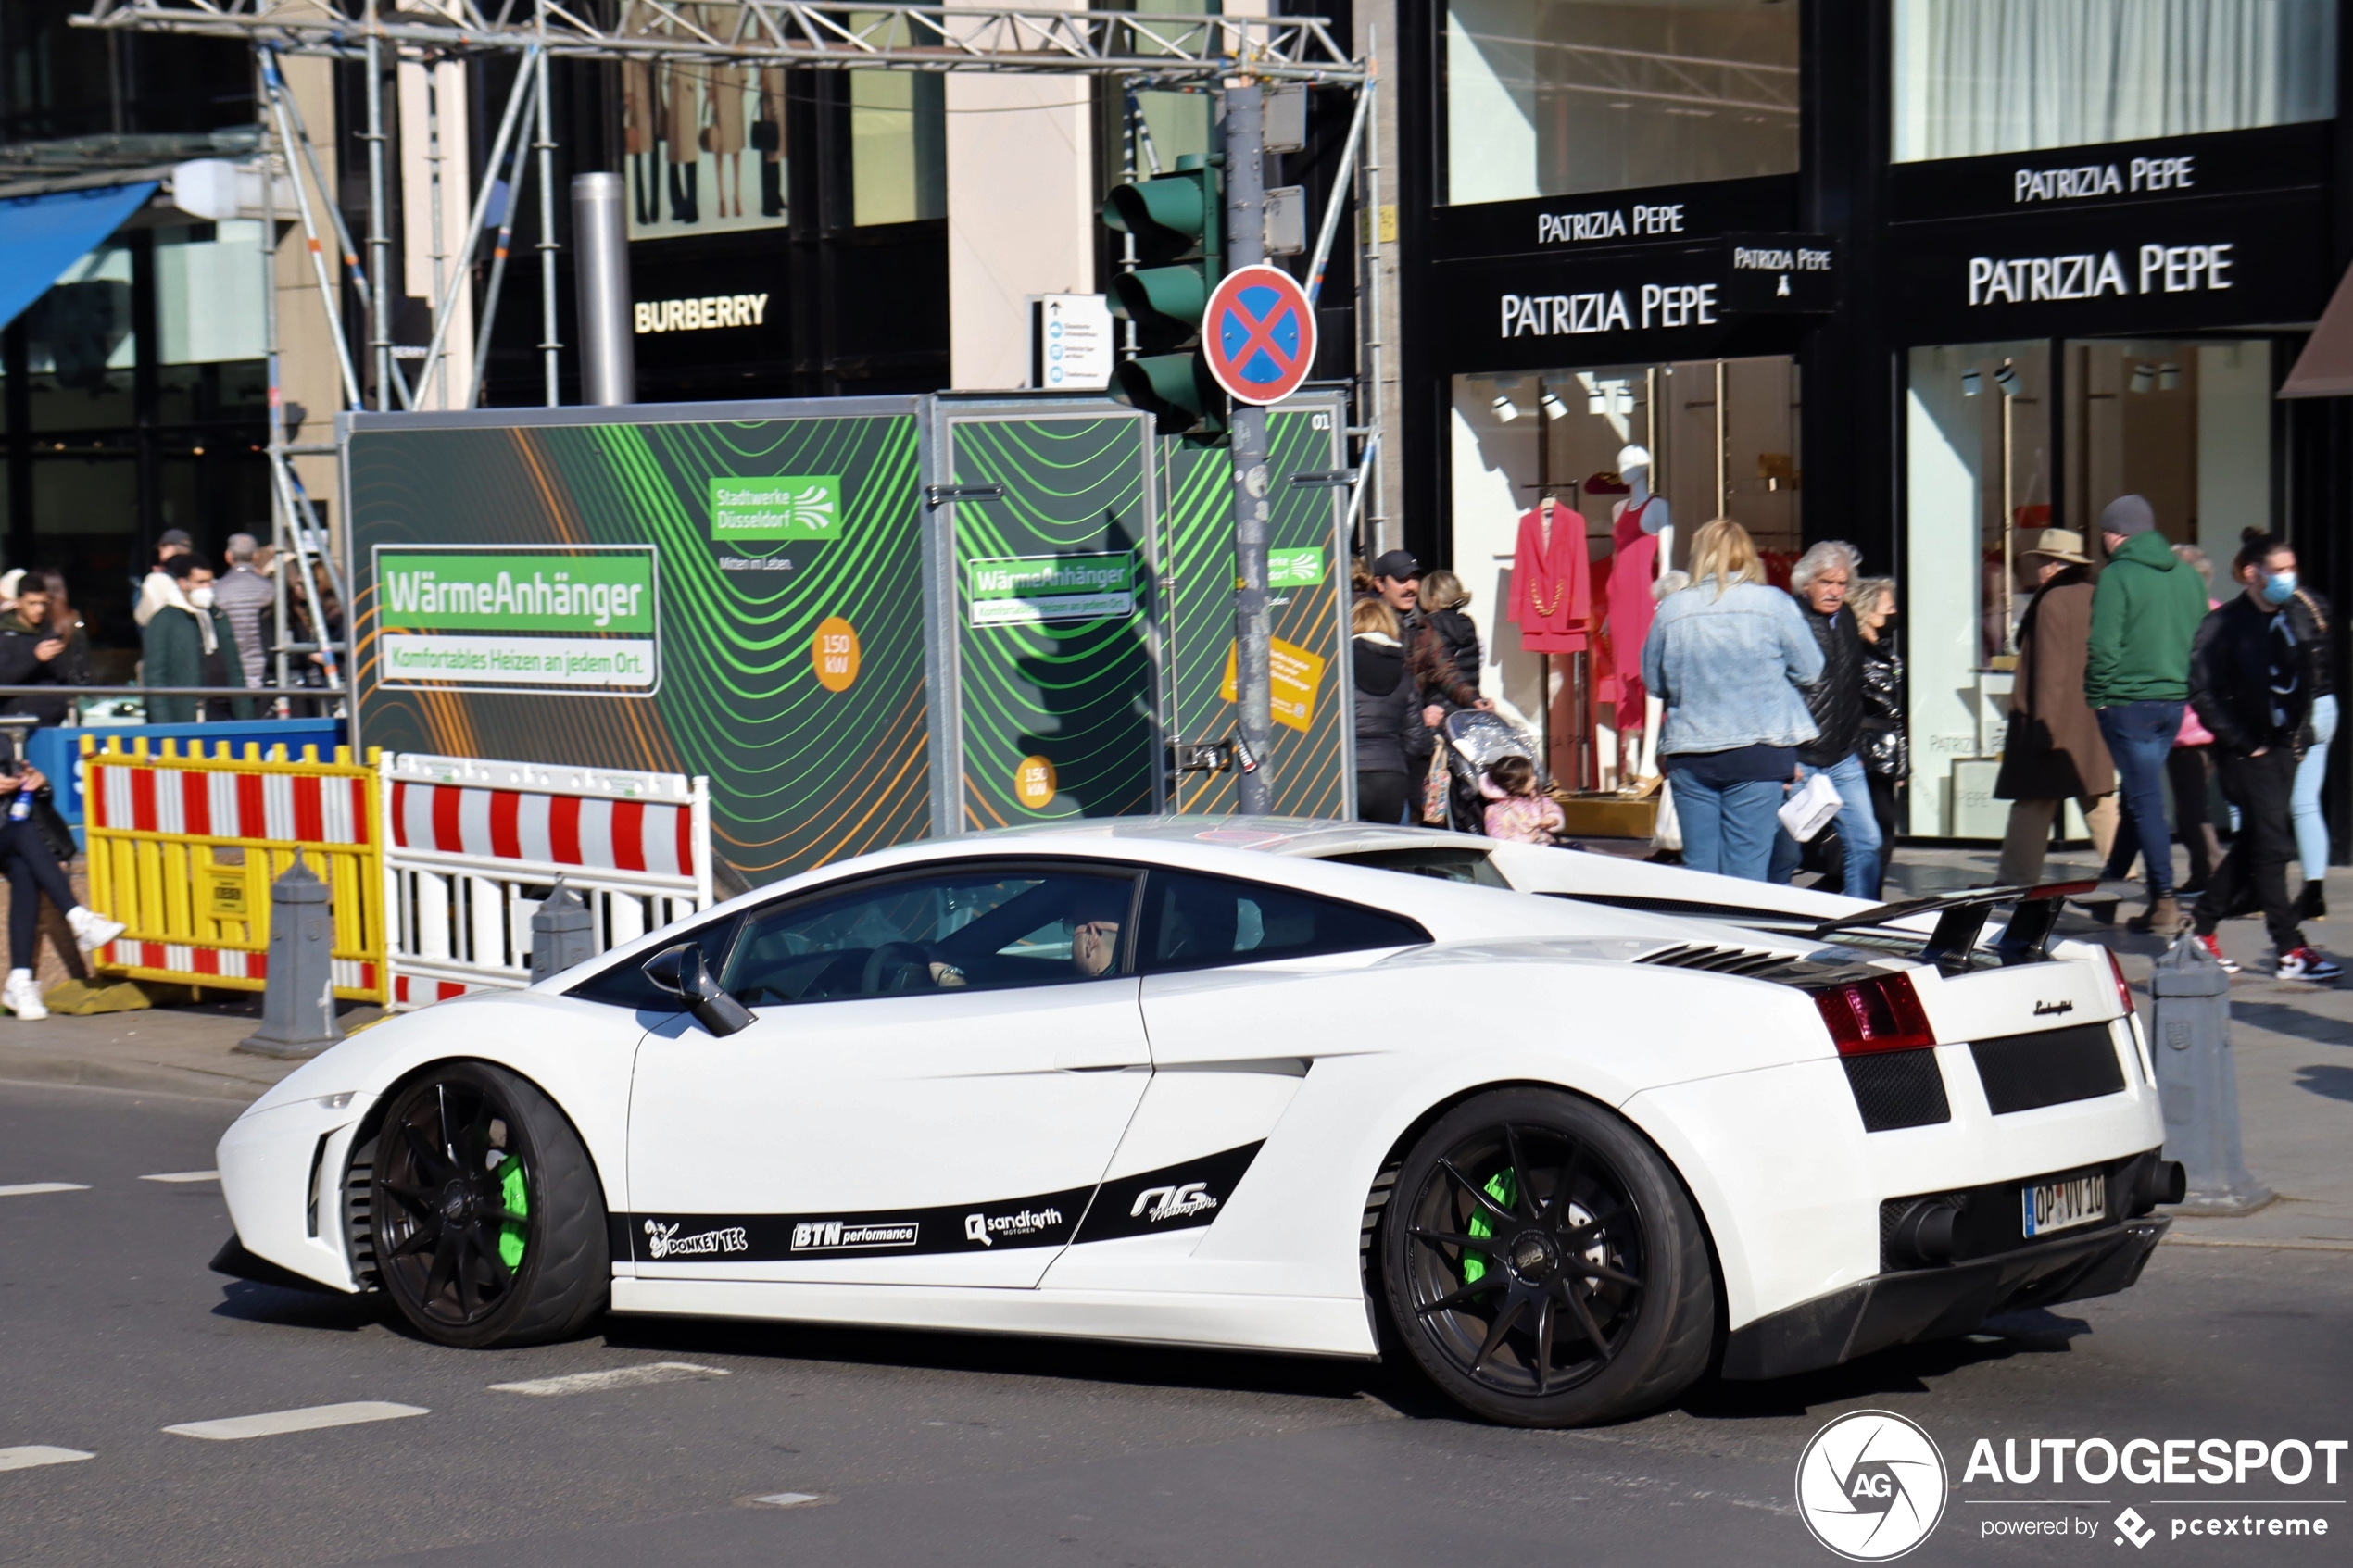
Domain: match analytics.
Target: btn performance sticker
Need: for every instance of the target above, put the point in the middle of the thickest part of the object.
(518, 619)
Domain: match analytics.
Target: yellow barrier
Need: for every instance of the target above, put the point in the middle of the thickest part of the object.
(183, 847)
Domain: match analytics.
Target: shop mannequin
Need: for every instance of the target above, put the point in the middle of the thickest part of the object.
(1642, 542)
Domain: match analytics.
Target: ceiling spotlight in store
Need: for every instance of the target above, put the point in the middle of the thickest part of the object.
(2169, 377)
(1972, 382)
(2007, 379)
(1553, 406)
(1505, 410)
(2144, 376)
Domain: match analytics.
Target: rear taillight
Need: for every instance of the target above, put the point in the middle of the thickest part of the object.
(2123, 986)
(1883, 1014)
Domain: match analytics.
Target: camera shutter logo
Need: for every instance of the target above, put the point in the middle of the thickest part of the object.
(1871, 1485)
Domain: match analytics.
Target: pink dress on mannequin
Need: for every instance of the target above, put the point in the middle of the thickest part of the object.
(1633, 567)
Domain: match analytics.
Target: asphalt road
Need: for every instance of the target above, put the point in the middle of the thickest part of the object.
(938, 1449)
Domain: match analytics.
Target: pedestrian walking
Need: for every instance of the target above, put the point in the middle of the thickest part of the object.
(1390, 736)
(75, 666)
(189, 641)
(1727, 657)
(30, 863)
(2251, 681)
(2188, 772)
(1442, 597)
(152, 592)
(243, 595)
(2314, 625)
(1886, 746)
(2146, 610)
(1821, 580)
(2053, 751)
(1517, 810)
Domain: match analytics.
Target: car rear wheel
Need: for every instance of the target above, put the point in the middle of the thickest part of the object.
(1544, 1264)
(491, 1221)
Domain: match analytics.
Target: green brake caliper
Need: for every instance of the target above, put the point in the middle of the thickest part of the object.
(516, 1198)
(1503, 1190)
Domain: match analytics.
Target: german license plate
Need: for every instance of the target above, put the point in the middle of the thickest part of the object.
(2058, 1206)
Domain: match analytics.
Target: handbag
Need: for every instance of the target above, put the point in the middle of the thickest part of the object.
(767, 136)
(1811, 809)
(1434, 786)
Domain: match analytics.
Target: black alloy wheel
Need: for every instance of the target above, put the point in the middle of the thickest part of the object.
(1544, 1264)
(489, 1218)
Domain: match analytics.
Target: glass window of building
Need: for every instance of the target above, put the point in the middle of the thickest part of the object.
(2005, 439)
(2001, 75)
(1552, 97)
(897, 140)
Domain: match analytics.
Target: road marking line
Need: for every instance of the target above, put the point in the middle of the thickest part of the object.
(184, 1176)
(617, 1377)
(236, 1427)
(38, 1454)
(785, 1499)
(2300, 1244)
(30, 1189)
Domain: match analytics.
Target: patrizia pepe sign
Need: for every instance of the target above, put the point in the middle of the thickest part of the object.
(2086, 275)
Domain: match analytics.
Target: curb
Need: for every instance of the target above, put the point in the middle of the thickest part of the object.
(21, 1065)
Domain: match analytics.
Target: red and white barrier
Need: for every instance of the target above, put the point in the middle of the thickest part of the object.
(146, 797)
(472, 846)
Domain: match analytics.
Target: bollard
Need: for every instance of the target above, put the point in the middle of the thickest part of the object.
(562, 933)
(2197, 1081)
(298, 1002)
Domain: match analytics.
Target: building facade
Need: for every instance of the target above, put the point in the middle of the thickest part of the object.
(1924, 275)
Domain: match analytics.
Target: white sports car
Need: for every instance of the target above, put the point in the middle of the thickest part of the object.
(1569, 1130)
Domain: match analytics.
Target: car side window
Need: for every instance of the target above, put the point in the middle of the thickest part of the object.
(1193, 921)
(625, 985)
(969, 928)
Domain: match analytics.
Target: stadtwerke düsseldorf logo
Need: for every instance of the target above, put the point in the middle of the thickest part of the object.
(1871, 1485)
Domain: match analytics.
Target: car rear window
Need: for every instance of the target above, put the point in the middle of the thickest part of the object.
(1446, 863)
(1193, 921)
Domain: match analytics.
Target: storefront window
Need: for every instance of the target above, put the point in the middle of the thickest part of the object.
(2185, 423)
(2000, 76)
(1723, 439)
(1552, 97)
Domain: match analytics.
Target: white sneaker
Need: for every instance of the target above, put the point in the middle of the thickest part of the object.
(21, 996)
(92, 930)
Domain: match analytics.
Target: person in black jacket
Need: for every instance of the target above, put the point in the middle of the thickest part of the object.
(2314, 625)
(1390, 738)
(1821, 580)
(2251, 681)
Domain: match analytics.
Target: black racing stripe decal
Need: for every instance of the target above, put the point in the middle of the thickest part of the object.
(1176, 1197)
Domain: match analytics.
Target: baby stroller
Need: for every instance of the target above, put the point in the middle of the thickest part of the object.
(1472, 742)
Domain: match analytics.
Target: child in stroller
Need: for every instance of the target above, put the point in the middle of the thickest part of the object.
(1500, 786)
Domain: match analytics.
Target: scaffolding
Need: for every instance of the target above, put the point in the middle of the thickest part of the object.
(1144, 50)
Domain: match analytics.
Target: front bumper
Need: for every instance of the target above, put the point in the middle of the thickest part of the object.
(1896, 1308)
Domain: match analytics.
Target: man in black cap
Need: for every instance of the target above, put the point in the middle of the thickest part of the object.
(1397, 579)
(154, 591)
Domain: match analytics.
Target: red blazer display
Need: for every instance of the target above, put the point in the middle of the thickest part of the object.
(1552, 591)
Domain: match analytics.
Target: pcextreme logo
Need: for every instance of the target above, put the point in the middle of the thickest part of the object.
(1871, 1485)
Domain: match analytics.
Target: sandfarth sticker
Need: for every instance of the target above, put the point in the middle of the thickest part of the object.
(1026, 590)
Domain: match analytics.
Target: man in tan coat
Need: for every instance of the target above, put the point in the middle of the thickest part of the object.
(2054, 752)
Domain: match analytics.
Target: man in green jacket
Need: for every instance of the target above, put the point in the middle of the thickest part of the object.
(188, 642)
(2145, 616)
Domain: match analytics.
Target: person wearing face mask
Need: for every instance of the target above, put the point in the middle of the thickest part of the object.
(189, 641)
(2251, 681)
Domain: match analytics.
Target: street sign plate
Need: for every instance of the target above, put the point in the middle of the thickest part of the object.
(1259, 334)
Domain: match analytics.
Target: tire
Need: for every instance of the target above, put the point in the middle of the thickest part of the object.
(1551, 1216)
(489, 1218)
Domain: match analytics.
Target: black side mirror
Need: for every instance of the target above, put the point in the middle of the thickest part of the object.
(683, 973)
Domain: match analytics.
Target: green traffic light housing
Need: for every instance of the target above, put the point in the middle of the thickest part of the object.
(1177, 223)
(1172, 217)
(1178, 391)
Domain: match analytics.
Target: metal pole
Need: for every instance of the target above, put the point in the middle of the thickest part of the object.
(516, 163)
(378, 243)
(280, 518)
(1339, 199)
(549, 340)
(433, 368)
(600, 278)
(275, 86)
(1368, 296)
(445, 311)
(349, 251)
(1246, 244)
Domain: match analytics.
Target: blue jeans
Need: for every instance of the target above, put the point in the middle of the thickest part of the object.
(2304, 806)
(2139, 734)
(1858, 829)
(1727, 828)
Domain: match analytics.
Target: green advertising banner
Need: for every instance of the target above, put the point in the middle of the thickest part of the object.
(678, 597)
(1054, 667)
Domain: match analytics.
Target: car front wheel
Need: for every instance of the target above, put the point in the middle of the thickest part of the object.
(1543, 1263)
(491, 1220)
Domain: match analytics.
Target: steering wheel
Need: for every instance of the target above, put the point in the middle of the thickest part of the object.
(895, 959)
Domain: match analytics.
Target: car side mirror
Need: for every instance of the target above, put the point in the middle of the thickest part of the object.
(683, 973)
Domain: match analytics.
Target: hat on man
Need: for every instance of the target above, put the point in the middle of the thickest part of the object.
(2061, 544)
(176, 537)
(2128, 515)
(1397, 565)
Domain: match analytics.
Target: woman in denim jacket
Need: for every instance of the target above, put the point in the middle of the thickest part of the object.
(1727, 656)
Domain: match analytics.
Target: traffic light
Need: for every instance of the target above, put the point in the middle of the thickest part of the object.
(1177, 223)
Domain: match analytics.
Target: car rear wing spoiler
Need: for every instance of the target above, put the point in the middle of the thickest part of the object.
(1961, 917)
